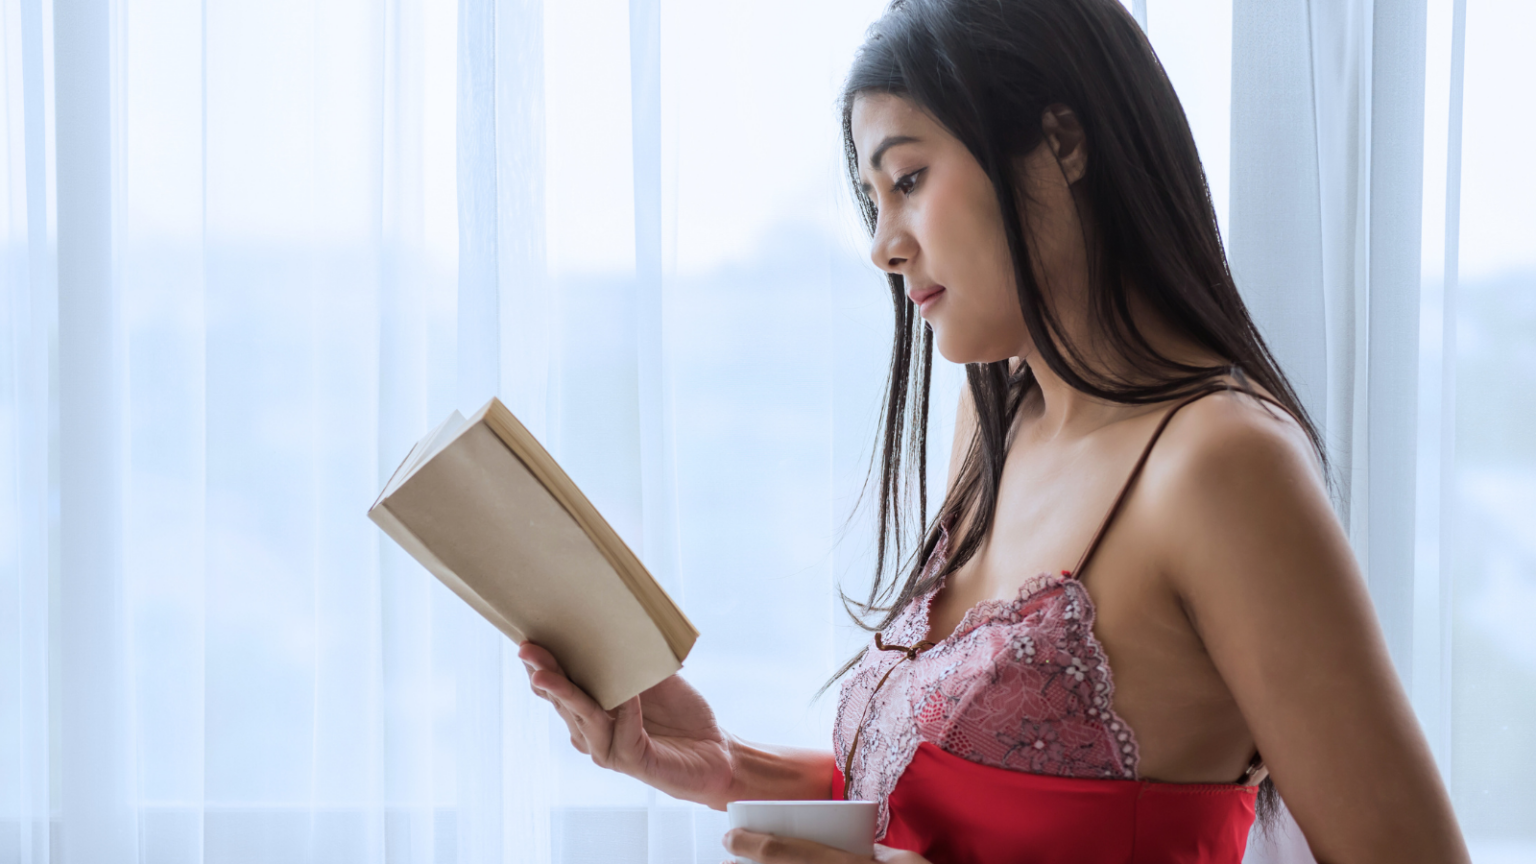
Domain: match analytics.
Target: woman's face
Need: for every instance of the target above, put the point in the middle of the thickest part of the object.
(940, 228)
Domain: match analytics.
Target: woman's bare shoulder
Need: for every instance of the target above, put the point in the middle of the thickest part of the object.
(1237, 432)
(1236, 486)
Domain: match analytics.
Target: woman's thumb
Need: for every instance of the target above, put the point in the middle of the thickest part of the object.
(628, 731)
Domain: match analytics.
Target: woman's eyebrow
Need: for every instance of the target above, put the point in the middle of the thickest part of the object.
(889, 142)
(874, 161)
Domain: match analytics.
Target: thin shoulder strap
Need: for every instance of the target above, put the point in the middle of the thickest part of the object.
(1125, 491)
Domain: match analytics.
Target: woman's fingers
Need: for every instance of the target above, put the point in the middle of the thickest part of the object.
(550, 681)
(586, 718)
(559, 689)
(538, 657)
(578, 740)
(590, 726)
(887, 855)
(613, 741)
(773, 849)
(628, 733)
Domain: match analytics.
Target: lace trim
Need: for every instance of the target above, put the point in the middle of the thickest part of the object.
(1021, 684)
(1075, 685)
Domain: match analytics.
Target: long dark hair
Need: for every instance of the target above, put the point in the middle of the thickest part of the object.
(986, 70)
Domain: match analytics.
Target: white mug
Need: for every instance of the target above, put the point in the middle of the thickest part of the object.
(845, 825)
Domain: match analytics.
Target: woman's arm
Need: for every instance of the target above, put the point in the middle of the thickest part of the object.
(1270, 584)
(767, 772)
(667, 737)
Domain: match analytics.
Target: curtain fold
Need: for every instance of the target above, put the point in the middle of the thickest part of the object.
(1327, 168)
(28, 423)
(96, 768)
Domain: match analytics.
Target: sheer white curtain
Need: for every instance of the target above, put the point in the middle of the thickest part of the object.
(1353, 126)
(252, 251)
(289, 237)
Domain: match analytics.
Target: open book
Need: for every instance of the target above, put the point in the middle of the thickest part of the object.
(486, 509)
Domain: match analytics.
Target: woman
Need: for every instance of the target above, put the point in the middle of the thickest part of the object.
(1134, 486)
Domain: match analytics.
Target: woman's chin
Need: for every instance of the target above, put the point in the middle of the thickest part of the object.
(968, 352)
(942, 345)
(957, 354)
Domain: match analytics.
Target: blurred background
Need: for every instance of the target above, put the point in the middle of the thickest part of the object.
(253, 251)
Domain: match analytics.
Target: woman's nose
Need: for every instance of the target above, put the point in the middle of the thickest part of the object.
(891, 250)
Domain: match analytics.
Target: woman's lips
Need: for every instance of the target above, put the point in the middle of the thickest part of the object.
(925, 296)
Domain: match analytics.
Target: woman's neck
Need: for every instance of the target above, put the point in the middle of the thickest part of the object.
(1057, 409)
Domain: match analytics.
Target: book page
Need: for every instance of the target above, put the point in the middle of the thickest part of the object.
(679, 631)
(425, 449)
(495, 527)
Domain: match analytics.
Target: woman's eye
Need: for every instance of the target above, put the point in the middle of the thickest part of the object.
(907, 182)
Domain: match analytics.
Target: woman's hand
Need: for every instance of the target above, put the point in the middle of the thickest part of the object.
(773, 849)
(666, 737)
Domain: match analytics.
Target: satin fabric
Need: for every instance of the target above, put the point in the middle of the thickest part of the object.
(954, 811)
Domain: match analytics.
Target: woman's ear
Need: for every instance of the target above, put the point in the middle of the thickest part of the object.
(1064, 134)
